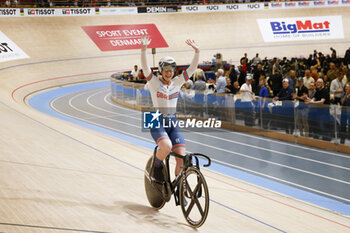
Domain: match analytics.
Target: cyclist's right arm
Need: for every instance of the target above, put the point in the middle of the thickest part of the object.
(145, 41)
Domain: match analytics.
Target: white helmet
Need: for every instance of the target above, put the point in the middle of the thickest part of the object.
(167, 61)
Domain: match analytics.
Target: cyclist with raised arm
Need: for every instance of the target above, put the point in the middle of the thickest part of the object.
(164, 93)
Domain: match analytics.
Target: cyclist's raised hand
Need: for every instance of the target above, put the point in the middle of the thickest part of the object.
(193, 45)
(145, 41)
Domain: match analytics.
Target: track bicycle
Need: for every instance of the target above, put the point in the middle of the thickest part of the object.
(193, 194)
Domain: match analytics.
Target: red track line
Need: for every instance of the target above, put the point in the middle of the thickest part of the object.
(279, 202)
(55, 78)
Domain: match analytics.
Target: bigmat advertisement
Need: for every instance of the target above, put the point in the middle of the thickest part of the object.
(301, 28)
(122, 37)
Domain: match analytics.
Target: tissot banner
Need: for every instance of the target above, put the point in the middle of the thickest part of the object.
(9, 50)
(122, 37)
(301, 28)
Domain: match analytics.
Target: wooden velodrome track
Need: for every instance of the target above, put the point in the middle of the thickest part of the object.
(60, 177)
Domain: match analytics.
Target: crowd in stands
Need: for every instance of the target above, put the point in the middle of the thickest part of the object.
(315, 83)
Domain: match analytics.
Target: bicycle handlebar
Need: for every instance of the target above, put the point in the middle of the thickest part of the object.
(193, 154)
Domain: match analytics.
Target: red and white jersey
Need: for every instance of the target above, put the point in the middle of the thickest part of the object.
(166, 96)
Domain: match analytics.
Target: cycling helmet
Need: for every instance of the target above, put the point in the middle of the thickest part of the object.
(167, 62)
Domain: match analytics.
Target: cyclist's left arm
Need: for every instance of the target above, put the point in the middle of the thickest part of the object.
(184, 77)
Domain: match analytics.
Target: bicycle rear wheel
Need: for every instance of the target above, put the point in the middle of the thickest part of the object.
(154, 197)
(194, 189)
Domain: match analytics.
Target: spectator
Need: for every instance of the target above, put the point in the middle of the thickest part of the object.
(229, 87)
(275, 82)
(334, 53)
(135, 73)
(256, 60)
(286, 92)
(258, 71)
(199, 84)
(246, 101)
(345, 114)
(312, 90)
(263, 94)
(235, 87)
(242, 76)
(283, 114)
(332, 72)
(233, 74)
(319, 113)
(276, 66)
(347, 57)
(221, 81)
(337, 88)
(198, 73)
(301, 109)
(308, 79)
(291, 79)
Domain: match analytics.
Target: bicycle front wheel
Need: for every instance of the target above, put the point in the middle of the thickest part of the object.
(194, 198)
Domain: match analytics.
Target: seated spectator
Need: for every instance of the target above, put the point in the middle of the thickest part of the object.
(345, 114)
(286, 92)
(275, 82)
(337, 88)
(276, 66)
(221, 81)
(312, 90)
(199, 84)
(332, 72)
(229, 87)
(236, 87)
(308, 79)
(135, 73)
(291, 79)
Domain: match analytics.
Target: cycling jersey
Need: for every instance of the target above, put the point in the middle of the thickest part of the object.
(164, 98)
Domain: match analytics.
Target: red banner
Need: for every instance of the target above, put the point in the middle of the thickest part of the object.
(121, 37)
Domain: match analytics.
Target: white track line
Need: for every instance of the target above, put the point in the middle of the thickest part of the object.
(123, 132)
(223, 139)
(259, 138)
(213, 147)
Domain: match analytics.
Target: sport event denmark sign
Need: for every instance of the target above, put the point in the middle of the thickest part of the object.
(301, 28)
(122, 37)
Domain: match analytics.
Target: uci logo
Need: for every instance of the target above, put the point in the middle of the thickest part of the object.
(213, 8)
(192, 8)
(232, 7)
(254, 6)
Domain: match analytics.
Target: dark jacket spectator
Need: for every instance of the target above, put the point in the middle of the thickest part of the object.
(285, 93)
(275, 82)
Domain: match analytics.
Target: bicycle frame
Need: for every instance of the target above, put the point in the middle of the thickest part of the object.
(187, 162)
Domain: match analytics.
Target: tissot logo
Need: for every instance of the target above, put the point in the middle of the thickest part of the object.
(7, 11)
